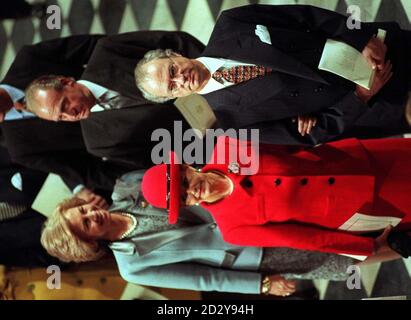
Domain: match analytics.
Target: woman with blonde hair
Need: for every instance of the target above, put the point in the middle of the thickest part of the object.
(190, 254)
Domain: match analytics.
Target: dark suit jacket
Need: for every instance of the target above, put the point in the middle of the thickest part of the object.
(47, 146)
(20, 236)
(297, 87)
(124, 135)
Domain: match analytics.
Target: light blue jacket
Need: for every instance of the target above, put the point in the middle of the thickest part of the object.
(194, 257)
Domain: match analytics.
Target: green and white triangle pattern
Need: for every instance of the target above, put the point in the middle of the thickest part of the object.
(369, 274)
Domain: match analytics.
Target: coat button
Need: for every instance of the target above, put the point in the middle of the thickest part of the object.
(277, 182)
(331, 181)
(248, 183)
(304, 181)
(294, 94)
(143, 204)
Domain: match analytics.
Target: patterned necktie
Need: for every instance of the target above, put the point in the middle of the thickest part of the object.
(240, 73)
(8, 211)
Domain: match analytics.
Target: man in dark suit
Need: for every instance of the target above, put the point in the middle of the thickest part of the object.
(20, 226)
(36, 143)
(119, 120)
(260, 70)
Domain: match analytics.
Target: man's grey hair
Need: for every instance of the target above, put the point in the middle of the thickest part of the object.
(47, 82)
(142, 77)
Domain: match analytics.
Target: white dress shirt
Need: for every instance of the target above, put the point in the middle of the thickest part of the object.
(97, 91)
(212, 65)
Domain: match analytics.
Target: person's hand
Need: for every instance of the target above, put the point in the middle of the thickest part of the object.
(305, 124)
(374, 52)
(280, 286)
(381, 78)
(381, 241)
(90, 197)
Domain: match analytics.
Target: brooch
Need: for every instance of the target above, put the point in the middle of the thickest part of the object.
(234, 168)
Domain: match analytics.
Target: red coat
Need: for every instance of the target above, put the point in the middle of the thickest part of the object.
(299, 197)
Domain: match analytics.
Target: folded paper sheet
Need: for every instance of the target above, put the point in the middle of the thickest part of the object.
(53, 191)
(345, 61)
(197, 112)
(365, 223)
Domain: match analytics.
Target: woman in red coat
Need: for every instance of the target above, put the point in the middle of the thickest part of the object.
(298, 198)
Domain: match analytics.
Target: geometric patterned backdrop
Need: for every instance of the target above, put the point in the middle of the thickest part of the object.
(198, 17)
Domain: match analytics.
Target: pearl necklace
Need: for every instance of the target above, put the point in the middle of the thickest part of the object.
(133, 225)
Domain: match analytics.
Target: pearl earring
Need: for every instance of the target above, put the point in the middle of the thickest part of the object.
(197, 204)
(198, 170)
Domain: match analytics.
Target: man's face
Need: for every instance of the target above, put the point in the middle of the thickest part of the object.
(72, 103)
(175, 77)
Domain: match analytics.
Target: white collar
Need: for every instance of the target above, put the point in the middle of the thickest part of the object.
(95, 89)
(212, 65)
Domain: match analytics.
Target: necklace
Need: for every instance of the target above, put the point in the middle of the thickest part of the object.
(133, 225)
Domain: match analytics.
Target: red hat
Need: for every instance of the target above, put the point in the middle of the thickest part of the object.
(161, 187)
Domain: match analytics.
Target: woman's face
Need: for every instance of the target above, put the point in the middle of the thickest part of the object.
(200, 187)
(89, 222)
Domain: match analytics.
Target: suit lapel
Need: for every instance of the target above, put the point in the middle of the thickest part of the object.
(248, 48)
(146, 243)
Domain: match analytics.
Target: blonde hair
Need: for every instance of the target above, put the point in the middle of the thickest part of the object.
(60, 242)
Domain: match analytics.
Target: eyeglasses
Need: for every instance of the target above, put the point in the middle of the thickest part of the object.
(172, 73)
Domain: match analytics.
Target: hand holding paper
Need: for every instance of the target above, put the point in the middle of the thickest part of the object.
(345, 61)
(374, 52)
(380, 78)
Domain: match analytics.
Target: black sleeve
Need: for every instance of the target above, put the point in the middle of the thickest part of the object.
(57, 147)
(328, 23)
(75, 168)
(136, 44)
(332, 122)
(65, 56)
(20, 241)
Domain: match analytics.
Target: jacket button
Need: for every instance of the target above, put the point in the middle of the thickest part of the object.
(304, 181)
(331, 181)
(143, 204)
(248, 183)
(277, 182)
